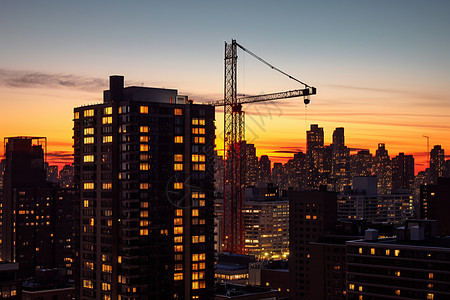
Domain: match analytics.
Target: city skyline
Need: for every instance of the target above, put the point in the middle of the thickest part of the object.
(381, 69)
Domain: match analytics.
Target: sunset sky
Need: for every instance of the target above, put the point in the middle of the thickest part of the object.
(381, 68)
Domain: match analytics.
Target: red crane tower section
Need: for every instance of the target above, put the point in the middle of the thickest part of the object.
(234, 137)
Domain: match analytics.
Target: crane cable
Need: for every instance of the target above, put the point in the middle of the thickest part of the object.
(271, 66)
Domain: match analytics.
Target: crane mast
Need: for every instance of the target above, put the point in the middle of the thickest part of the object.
(234, 141)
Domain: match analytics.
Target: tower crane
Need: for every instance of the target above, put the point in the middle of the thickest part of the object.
(234, 137)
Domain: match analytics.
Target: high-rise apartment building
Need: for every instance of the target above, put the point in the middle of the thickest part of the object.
(403, 172)
(382, 168)
(361, 163)
(36, 216)
(311, 215)
(437, 163)
(144, 168)
(265, 170)
(340, 161)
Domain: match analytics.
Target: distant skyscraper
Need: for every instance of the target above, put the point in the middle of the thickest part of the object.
(361, 164)
(252, 165)
(297, 172)
(403, 172)
(278, 174)
(265, 170)
(382, 168)
(144, 167)
(340, 161)
(314, 137)
(66, 179)
(52, 173)
(437, 163)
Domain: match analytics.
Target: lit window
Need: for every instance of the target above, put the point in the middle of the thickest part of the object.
(107, 110)
(397, 292)
(388, 252)
(178, 276)
(396, 252)
(201, 121)
(195, 239)
(143, 147)
(177, 239)
(178, 157)
(143, 186)
(107, 120)
(430, 275)
(144, 214)
(360, 250)
(88, 130)
(107, 139)
(178, 112)
(86, 203)
(195, 212)
(430, 296)
(308, 217)
(107, 185)
(351, 286)
(194, 121)
(76, 115)
(178, 167)
(178, 185)
(89, 113)
(178, 221)
(143, 138)
(88, 158)
(143, 223)
(88, 185)
(143, 157)
(144, 204)
(88, 284)
(201, 131)
(360, 288)
(178, 248)
(372, 251)
(201, 202)
(397, 273)
(143, 128)
(201, 266)
(106, 286)
(178, 139)
(179, 212)
(144, 166)
(143, 232)
(89, 140)
(178, 230)
(107, 268)
(144, 109)
(199, 140)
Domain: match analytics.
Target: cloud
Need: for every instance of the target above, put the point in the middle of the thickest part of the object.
(29, 79)
(66, 155)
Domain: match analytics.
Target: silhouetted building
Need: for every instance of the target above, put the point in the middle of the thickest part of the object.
(48, 284)
(10, 284)
(435, 204)
(278, 174)
(412, 266)
(382, 168)
(437, 163)
(311, 215)
(297, 172)
(403, 172)
(36, 216)
(52, 173)
(252, 165)
(66, 179)
(265, 170)
(340, 161)
(144, 168)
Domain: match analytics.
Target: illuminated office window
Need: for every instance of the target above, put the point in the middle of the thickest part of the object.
(143, 129)
(86, 203)
(89, 113)
(178, 167)
(195, 212)
(106, 286)
(178, 157)
(89, 140)
(143, 138)
(178, 112)
(178, 139)
(177, 276)
(88, 284)
(107, 120)
(178, 248)
(88, 158)
(76, 115)
(88, 130)
(107, 110)
(107, 185)
(107, 139)
(143, 186)
(178, 221)
(178, 230)
(143, 232)
(144, 109)
(143, 147)
(179, 212)
(178, 185)
(144, 166)
(88, 185)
